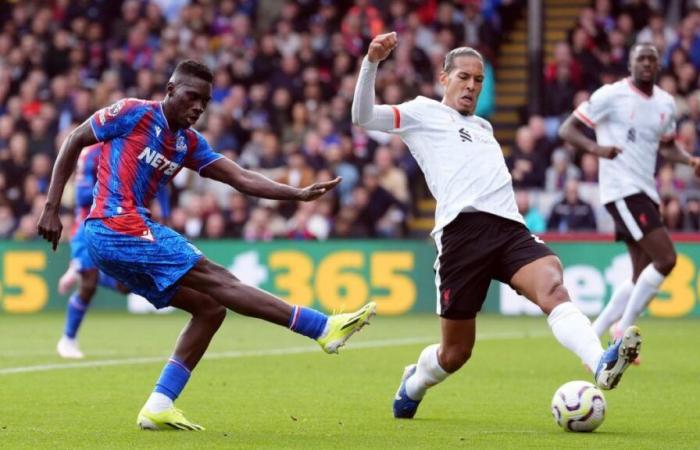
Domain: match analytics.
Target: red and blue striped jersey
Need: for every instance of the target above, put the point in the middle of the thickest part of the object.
(85, 176)
(140, 155)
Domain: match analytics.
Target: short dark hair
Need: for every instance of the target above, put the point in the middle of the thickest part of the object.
(194, 68)
(456, 53)
(639, 45)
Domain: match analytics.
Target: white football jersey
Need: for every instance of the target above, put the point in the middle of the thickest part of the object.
(462, 161)
(625, 117)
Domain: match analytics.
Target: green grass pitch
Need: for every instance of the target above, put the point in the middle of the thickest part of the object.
(263, 387)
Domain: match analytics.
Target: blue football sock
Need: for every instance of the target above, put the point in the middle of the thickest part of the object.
(172, 379)
(107, 281)
(307, 321)
(75, 311)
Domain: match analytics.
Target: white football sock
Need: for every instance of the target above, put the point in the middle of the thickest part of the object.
(158, 402)
(428, 373)
(645, 289)
(573, 330)
(614, 309)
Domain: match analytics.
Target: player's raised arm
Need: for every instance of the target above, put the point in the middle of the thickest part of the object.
(256, 184)
(364, 112)
(50, 226)
(570, 131)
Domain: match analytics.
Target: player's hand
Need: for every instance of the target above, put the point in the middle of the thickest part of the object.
(609, 152)
(50, 226)
(316, 190)
(381, 46)
(694, 162)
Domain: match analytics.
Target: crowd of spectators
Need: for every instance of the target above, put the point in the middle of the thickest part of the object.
(284, 74)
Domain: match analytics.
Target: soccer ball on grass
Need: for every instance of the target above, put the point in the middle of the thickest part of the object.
(578, 406)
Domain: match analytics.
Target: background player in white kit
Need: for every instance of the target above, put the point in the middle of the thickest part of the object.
(478, 231)
(632, 118)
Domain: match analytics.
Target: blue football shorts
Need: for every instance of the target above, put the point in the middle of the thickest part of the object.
(147, 257)
(79, 254)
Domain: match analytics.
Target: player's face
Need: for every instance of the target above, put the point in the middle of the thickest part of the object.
(644, 64)
(189, 97)
(463, 84)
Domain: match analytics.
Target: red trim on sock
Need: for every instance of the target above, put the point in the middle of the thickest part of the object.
(295, 316)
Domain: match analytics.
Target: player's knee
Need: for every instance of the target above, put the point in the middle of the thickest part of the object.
(555, 293)
(452, 358)
(211, 312)
(666, 263)
(87, 291)
(216, 314)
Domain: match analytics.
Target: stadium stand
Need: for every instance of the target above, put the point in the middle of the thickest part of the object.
(284, 78)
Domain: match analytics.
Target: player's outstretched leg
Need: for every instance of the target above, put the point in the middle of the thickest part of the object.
(573, 330)
(617, 358)
(541, 282)
(331, 332)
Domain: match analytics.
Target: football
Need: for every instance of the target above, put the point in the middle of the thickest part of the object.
(578, 406)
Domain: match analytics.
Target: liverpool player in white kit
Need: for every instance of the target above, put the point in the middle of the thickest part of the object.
(633, 120)
(478, 231)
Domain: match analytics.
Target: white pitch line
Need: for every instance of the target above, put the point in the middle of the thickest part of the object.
(253, 353)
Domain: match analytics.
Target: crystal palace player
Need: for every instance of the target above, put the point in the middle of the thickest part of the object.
(631, 118)
(82, 268)
(145, 144)
(478, 231)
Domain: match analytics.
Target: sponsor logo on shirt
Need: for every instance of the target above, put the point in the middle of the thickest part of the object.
(467, 136)
(160, 162)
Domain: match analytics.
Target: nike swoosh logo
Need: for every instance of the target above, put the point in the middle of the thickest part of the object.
(351, 323)
(353, 320)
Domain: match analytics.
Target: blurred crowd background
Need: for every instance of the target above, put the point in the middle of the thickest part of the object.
(284, 79)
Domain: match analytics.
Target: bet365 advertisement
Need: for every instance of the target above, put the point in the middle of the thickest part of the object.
(342, 275)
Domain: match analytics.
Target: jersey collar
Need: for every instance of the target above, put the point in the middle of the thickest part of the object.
(637, 91)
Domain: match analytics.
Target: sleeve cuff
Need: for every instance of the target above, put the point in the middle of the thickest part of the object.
(583, 118)
(367, 63)
(94, 130)
(210, 162)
